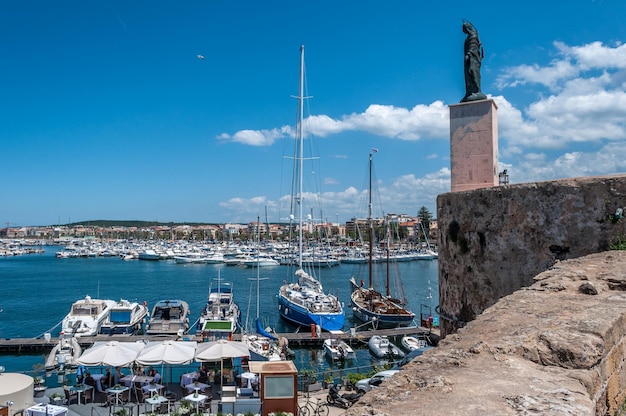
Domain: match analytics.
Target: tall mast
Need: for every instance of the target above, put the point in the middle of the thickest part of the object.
(371, 225)
(300, 151)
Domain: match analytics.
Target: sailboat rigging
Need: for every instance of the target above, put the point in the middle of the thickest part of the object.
(263, 346)
(369, 305)
(304, 302)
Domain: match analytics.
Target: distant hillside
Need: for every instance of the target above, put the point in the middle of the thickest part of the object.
(133, 223)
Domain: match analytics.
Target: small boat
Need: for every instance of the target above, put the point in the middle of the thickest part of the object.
(411, 343)
(86, 316)
(381, 347)
(64, 354)
(262, 260)
(149, 254)
(338, 350)
(125, 318)
(262, 348)
(169, 317)
(220, 317)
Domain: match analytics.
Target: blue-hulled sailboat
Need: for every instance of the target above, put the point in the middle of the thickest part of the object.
(304, 302)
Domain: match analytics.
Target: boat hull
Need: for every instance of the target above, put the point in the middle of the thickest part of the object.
(299, 315)
(382, 348)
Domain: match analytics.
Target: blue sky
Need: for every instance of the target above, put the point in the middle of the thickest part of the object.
(106, 111)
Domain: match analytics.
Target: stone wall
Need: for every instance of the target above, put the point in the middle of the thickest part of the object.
(494, 241)
(556, 347)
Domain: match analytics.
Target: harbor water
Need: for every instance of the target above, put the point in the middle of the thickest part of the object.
(40, 289)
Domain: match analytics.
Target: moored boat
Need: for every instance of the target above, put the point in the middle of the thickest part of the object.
(86, 316)
(220, 317)
(125, 318)
(338, 350)
(370, 305)
(304, 302)
(64, 354)
(381, 347)
(169, 317)
(411, 343)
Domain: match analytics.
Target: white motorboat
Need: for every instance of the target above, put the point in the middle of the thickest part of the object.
(412, 343)
(262, 348)
(86, 317)
(338, 350)
(64, 354)
(169, 317)
(220, 317)
(262, 260)
(381, 347)
(125, 318)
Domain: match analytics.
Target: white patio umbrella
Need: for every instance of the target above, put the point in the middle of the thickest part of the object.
(167, 352)
(220, 349)
(113, 353)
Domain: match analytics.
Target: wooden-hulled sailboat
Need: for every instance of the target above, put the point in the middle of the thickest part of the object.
(370, 305)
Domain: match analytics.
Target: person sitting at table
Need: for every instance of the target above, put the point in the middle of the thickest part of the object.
(157, 377)
(107, 380)
(202, 374)
(150, 372)
(89, 380)
(139, 371)
(117, 376)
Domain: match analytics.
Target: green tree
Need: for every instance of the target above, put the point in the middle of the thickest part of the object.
(425, 216)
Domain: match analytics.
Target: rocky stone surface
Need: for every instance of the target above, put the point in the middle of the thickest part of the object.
(554, 348)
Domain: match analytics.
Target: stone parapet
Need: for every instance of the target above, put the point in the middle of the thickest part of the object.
(555, 347)
(494, 241)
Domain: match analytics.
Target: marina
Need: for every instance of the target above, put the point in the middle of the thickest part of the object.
(42, 288)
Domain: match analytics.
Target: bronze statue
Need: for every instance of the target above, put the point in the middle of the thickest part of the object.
(474, 54)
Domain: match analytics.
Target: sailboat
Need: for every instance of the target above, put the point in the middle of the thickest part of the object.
(304, 302)
(263, 346)
(369, 305)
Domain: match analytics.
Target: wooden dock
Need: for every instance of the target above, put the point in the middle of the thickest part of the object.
(13, 346)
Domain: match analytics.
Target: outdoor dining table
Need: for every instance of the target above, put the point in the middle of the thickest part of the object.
(80, 388)
(129, 380)
(98, 378)
(117, 390)
(46, 410)
(157, 399)
(197, 398)
(188, 378)
(152, 388)
(196, 386)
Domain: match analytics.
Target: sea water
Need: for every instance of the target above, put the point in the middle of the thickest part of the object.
(39, 290)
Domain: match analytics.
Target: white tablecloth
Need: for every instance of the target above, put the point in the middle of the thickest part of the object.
(43, 410)
(188, 378)
(98, 378)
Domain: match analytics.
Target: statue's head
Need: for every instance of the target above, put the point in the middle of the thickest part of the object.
(468, 27)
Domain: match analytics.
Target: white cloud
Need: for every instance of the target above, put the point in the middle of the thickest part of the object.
(421, 122)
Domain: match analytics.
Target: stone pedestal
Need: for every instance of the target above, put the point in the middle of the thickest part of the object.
(474, 145)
